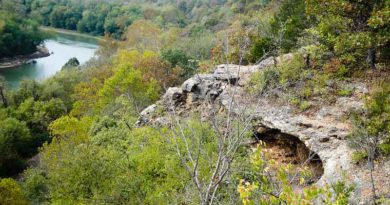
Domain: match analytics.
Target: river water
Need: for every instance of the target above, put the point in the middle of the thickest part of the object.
(63, 47)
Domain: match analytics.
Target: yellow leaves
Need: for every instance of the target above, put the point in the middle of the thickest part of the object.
(143, 35)
(301, 181)
(86, 96)
(11, 193)
(150, 54)
(245, 190)
(126, 58)
(380, 18)
(67, 127)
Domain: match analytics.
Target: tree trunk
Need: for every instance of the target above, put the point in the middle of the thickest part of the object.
(3, 98)
(371, 58)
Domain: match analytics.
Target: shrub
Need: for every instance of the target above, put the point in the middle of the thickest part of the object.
(263, 81)
(10, 192)
(372, 127)
(15, 144)
(264, 189)
(359, 156)
(260, 48)
(292, 70)
(345, 92)
(304, 105)
(35, 186)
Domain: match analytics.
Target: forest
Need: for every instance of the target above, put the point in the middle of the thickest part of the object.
(73, 138)
(18, 35)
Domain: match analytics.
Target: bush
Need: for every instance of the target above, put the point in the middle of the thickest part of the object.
(178, 58)
(371, 132)
(345, 92)
(292, 70)
(359, 156)
(304, 105)
(34, 187)
(73, 62)
(260, 48)
(261, 188)
(263, 81)
(10, 193)
(15, 143)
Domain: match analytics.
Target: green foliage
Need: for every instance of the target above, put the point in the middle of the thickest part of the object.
(304, 105)
(18, 36)
(292, 70)
(130, 83)
(112, 165)
(34, 186)
(261, 188)
(351, 30)
(28, 89)
(289, 23)
(371, 133)
(262, 82)
(10, 192)
(25, 121)
(179, 58)
(288, 72)
(39, 114)
(345, 92)
(260, 48)
(359, 156)
(15, 142)
(73, 62)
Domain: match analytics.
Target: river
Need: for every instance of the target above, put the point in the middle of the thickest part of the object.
(63, 47)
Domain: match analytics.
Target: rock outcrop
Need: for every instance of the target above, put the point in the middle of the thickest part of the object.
(323, 131)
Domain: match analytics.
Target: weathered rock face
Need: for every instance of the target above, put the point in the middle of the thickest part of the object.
(288, 149)
(322, 131)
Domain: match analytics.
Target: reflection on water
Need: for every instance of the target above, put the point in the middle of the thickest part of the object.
(64, 47)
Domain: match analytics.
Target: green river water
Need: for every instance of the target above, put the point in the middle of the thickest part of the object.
(63, 47)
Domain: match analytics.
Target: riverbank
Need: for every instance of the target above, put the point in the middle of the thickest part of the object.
(41, 52)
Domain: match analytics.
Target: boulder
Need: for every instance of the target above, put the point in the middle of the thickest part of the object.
(173, 97)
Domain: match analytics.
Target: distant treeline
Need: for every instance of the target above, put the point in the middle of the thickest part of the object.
(102, 17)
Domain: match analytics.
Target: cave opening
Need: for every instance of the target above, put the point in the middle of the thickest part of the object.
(288, 149)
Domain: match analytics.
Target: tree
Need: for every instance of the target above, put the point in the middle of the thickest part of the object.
(34, 186)
(2, 91)
(289, 24)
(38, 115)
(152, 67)
(178, 58)
(370, 136)
(233, 44)
(18, 36)
(73, 62)
(109, 162)
(143, 35)
(10, 192)
(129, 83)
(353, 30)
(28, 89)
(15, 141)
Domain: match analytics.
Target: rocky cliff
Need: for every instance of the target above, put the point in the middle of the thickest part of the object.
(322, 130)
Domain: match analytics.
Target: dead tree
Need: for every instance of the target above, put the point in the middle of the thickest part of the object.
(230, 131)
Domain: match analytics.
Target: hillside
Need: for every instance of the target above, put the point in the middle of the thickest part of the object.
(205, 102)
